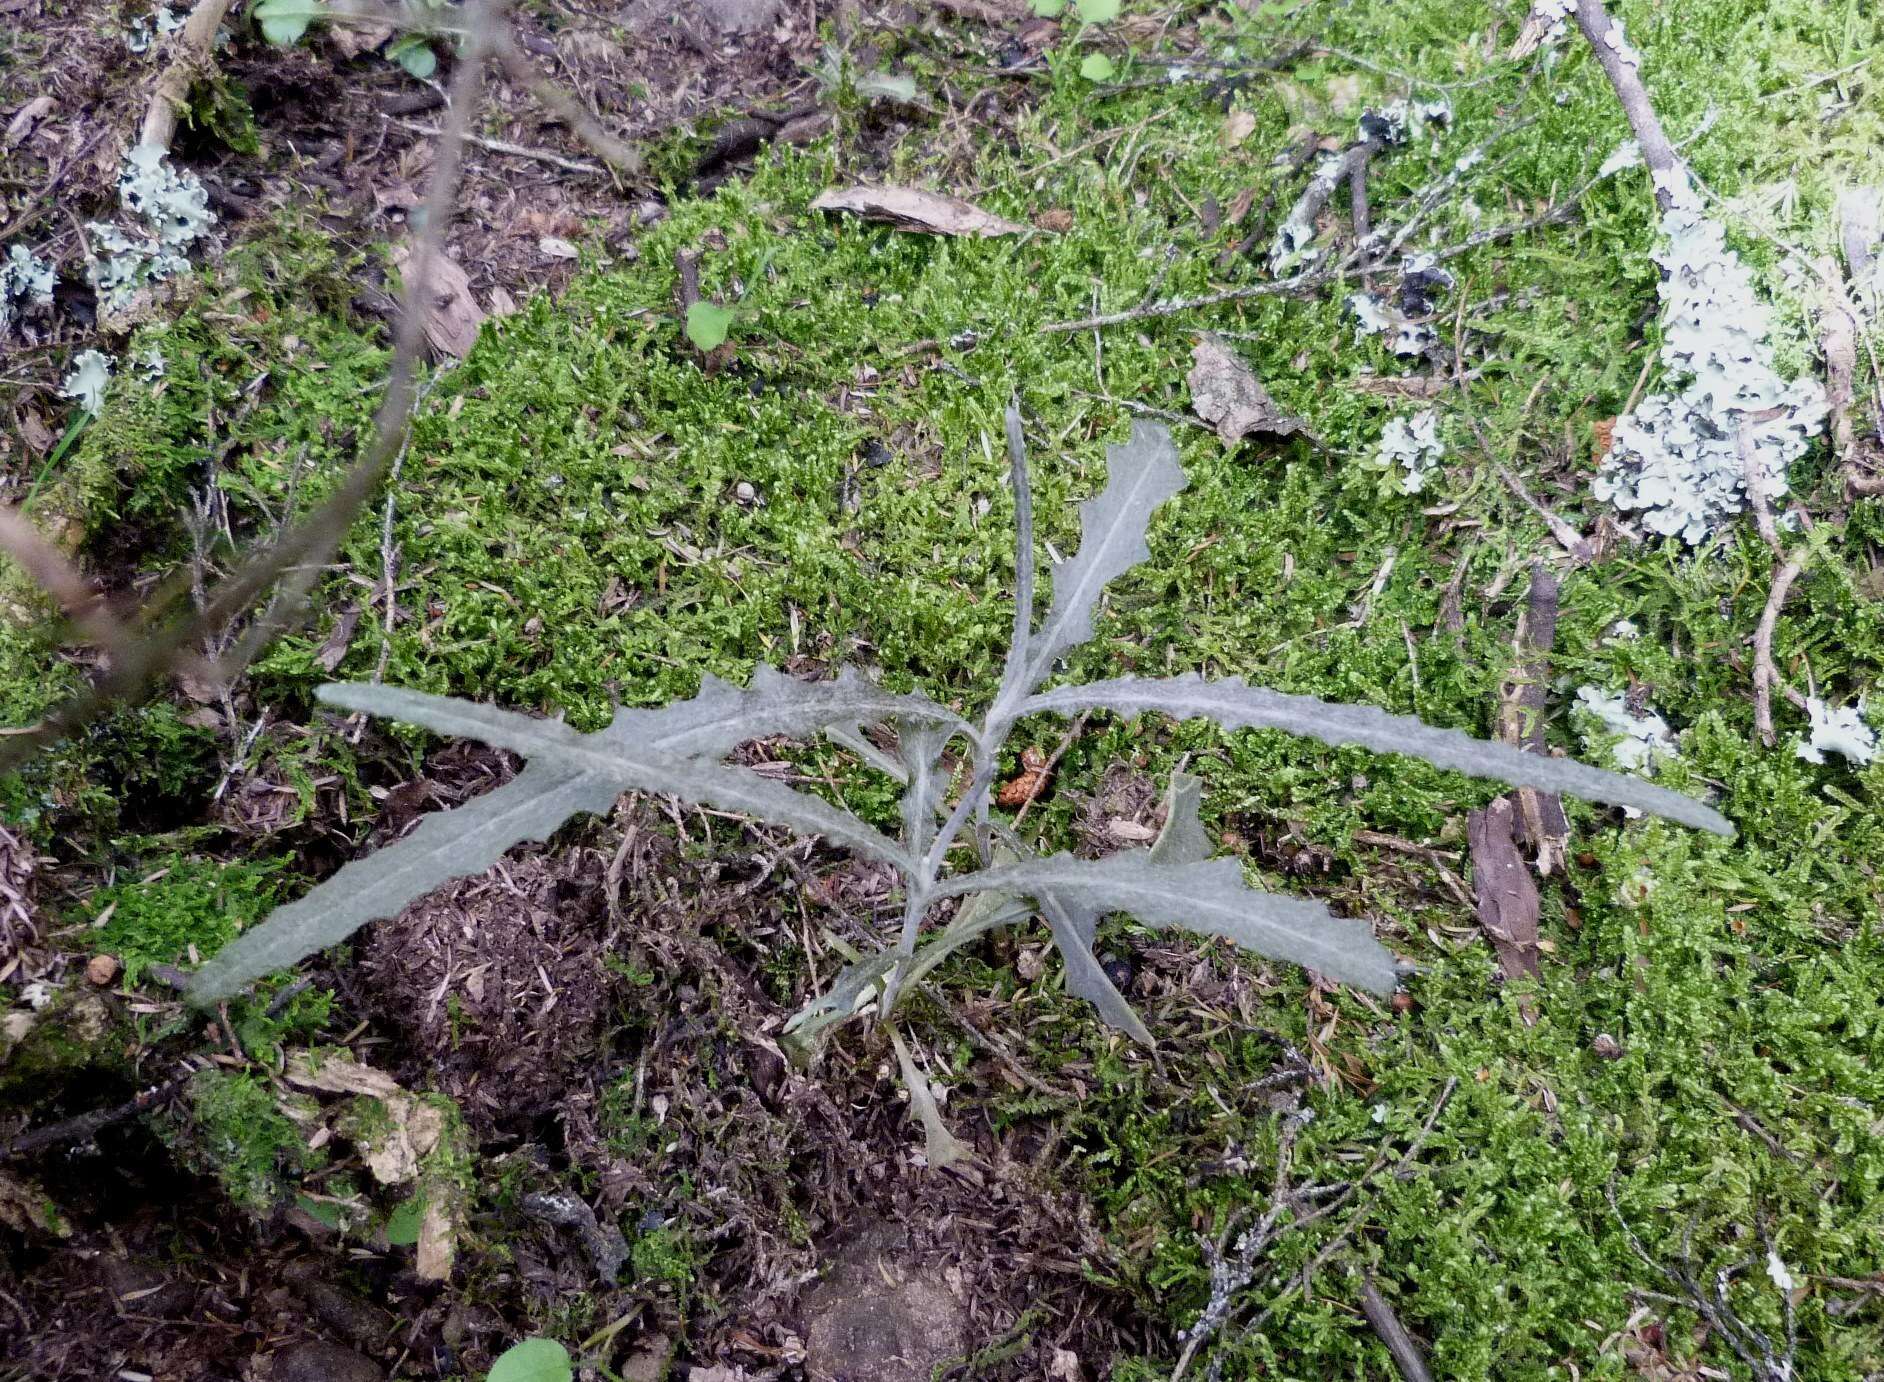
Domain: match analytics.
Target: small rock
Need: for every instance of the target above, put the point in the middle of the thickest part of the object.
(325, 1363)
(102, 969)
(745, 492)
(1607, 1046)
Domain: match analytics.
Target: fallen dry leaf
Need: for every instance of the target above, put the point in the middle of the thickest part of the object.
(1238, 125)
(907, 208)
(1227, 395)
(351, 40)
(34, 432)
(1605, 433)
(333, 649)
(26, 119)
(452, 315)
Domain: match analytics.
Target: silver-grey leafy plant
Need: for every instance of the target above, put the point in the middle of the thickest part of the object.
(680, 749)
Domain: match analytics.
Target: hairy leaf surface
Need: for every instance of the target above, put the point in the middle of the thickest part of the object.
(448, 844)
(605, 756)
(1210, 898)
(571, 773)
(1074, 927)
(1236, 705)
(1140, 475)
(939, 1145)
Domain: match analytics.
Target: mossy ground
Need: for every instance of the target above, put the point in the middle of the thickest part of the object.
(569, 535)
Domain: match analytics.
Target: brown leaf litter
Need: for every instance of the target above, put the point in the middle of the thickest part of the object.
(909, 208)
(1226, 393)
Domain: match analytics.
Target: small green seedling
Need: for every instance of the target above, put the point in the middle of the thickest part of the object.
(681, 749)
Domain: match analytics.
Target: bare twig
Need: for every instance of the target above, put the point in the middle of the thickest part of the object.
(504, 146)
(169, 639)
(1335, 270)
(624, 158)
(1765, 674)
(1619, 64)
(17, 926)
(1768, 1361)
(190, 56)
(1540, 817)
(1292, 1208)
(1400, 1345)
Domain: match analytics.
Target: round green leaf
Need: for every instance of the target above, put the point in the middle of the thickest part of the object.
(707, 324)
(1098, 11)
(1097, 68)
(1049, 9)
(284, 21)
(415, 55)
(533, 1360)
(402, 1225)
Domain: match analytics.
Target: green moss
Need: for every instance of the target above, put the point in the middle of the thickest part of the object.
(79, 1033)
(663, 1257)
(236, 1132)
(569, 536)
(182, 902)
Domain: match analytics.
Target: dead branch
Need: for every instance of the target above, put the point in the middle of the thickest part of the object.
(503, 146)
(1619, 63)
(190, 58)
(1292, 1208)
(1336, 270)
(169, 639)
(1400, 1346)
(85, 1126)
(1768, 1361)
(1765, 674)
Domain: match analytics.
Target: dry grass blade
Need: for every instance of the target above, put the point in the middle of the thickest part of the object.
(168, 640)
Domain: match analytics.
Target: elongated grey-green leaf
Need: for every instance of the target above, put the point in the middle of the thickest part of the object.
(1236, 705)
(626, 765)
(851, 737)
(856, 985)
(920, 748)
(939, 1145)
(722, 716)
(449, 844)
(1182, 840)
(1209, 898)
(1073, 931)
(1140, 476)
